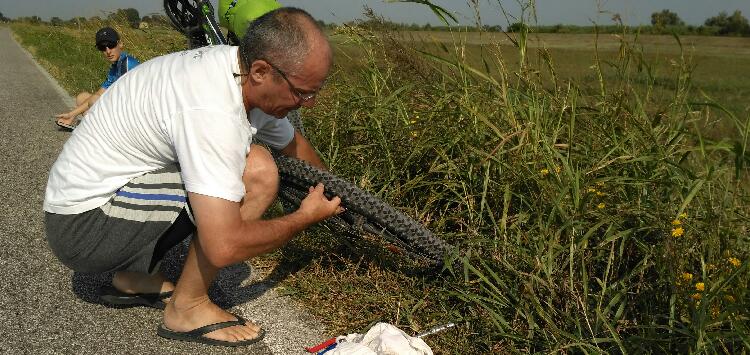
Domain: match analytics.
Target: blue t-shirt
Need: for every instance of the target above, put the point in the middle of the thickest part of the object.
(125, 63)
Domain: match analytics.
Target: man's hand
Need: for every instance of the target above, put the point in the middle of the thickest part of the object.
(66, 116)
(317, 207)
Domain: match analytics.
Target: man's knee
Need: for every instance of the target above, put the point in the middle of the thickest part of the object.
(261, 174)
(82, 97)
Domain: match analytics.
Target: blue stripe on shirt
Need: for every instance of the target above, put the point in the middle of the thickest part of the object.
(152, 197)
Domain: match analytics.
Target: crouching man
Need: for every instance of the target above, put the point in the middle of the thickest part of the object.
(171, 144)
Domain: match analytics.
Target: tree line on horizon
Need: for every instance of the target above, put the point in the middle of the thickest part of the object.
(130, 16)
(662, 22)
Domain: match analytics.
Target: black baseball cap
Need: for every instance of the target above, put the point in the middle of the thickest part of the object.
(107, 35)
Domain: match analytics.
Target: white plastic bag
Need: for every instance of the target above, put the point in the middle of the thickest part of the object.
(381, 339)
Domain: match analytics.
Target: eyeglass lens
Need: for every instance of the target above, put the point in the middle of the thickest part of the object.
(297, 92)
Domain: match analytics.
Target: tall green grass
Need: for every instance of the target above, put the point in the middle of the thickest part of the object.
(588, 217)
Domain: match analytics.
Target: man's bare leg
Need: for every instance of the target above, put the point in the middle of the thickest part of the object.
(80, 99)
(261, 179)
(190, 306)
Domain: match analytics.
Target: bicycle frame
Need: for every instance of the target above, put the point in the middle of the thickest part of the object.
(213, 33)
(195, 18)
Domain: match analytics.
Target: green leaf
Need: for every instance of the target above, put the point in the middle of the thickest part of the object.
(439, 11)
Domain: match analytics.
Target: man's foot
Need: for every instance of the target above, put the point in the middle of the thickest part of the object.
(130, 289)
(64, 125)
(204, 322)
(115, 297)
(66, 120)
(198, 335)
(136, 282)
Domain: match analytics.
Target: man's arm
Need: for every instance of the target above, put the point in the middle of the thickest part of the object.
(301, 148)
(226, 239)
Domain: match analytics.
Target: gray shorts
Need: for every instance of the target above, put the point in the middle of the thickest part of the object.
(121, 235)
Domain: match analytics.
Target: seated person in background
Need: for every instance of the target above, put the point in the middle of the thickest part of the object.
(109, 43)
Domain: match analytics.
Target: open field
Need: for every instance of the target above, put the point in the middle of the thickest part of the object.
(705, 45)
(717, 63)
(596, 210)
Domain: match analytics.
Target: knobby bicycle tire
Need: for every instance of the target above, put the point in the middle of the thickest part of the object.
(365, 212)
(183, 14)
(186, 17)
(349, 223)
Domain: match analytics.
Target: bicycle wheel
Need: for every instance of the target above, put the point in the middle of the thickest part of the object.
(365, 213)
(184, 14)
(186, 17)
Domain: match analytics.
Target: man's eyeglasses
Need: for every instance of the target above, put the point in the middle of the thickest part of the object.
(296, 91)
(104, 45)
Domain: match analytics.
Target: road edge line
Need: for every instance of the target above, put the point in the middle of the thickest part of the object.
(67, 99)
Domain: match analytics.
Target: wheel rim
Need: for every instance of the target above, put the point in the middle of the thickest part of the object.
(184, 14)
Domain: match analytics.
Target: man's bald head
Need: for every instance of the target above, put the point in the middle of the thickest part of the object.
(287, 37)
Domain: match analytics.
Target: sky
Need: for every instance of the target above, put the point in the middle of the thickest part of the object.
(548, 12)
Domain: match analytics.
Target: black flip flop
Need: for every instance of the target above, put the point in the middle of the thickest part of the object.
(198, 335)
(115, 297)
(65, 126)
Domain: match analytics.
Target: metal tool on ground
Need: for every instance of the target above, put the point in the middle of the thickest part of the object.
(435, 329)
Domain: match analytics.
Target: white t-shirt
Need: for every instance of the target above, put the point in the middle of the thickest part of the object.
(183, 107)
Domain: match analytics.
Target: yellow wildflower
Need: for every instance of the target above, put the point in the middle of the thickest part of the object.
(557, 169)
(682, 215)
(414, 134)
(601, 205)
(678, 232)
(686, 276)
(599, 193)
(729, 298)
(591, 190)
(700, 286)
(676, 222)
(544, 172)
(696, 296)
(734, 261)
(715, 310)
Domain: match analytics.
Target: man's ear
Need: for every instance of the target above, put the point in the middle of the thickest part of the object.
(259, 71)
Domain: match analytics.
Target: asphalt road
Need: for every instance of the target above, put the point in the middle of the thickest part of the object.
(46, 308)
